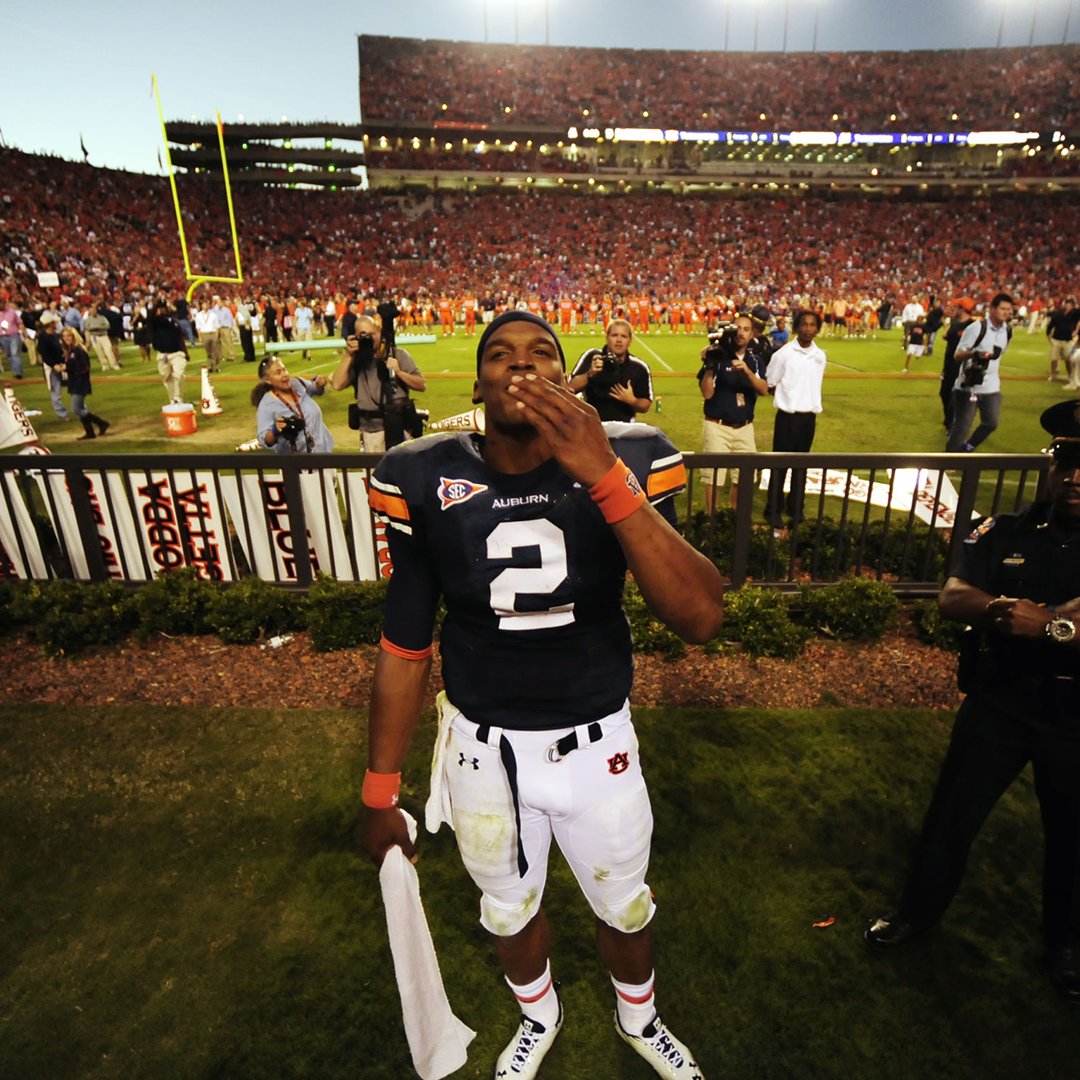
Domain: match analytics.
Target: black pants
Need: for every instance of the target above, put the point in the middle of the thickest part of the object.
(791, 432)
(247, 343)
(992, 740)
(949, 371)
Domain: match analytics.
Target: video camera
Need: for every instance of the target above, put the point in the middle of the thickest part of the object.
(975, 367)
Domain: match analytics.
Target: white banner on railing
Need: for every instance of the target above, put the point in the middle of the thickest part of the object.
(260, 515)
(918, 486)
(56, 496)
(372, 550)
(17, 525)
(178, 522)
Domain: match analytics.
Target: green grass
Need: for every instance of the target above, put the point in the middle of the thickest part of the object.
(181, 895)
(869, 407)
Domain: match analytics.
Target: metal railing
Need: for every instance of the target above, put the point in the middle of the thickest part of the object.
(897, 517)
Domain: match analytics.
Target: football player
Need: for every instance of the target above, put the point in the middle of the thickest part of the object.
(526, 533)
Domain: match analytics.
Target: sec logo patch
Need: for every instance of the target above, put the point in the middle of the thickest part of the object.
(455, 492)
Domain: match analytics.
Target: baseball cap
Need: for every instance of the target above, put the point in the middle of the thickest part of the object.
(516, 316)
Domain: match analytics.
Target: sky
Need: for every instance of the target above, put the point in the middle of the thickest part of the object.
(83, 71)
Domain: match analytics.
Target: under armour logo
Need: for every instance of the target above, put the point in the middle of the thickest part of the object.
(618, 763)
(463, 761)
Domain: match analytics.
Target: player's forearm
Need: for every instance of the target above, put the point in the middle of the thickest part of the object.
(681, 586)
(397, 695)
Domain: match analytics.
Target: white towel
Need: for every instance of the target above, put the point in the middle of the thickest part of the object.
(438, 1040)
(437, 809)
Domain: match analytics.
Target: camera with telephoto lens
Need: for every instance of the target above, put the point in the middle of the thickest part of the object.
(294, 425)
(365, 349)
(975, 367)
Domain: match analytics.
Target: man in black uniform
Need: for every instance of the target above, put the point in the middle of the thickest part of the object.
(616, 383)
(168, 341)
(527, 533)
(950, 367)
(1017, 583)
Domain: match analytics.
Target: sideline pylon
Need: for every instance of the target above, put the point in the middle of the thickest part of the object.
(210, 404)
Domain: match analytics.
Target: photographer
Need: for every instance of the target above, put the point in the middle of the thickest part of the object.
(617, 384)
(978, 386)
(731, 380)
(382, 376)
(289, 420)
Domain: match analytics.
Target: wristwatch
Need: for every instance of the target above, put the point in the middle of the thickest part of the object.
(1061, 630)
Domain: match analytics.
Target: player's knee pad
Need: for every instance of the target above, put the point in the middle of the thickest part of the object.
(629, 915)
(505, 920)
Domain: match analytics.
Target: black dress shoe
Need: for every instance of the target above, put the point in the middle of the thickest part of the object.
(1064, 966)
(890, 931)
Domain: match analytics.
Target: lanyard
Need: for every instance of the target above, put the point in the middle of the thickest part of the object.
(293, 406)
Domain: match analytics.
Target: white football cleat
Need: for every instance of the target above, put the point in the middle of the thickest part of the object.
(526, 1050)
(668, 1057)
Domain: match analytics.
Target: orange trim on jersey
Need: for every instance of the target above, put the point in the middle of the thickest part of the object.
(667, 480)
(393, 505)
(405, 654)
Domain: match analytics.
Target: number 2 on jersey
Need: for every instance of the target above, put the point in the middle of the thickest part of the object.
(542, 580)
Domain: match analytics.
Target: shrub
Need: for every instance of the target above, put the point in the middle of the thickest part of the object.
(649, 633)
(253, 608)
(760, 620)
(856, 609)
(886, 554)
(9, 620)
(66, 616)
(175, 602)
(341, 614)
(934, 628)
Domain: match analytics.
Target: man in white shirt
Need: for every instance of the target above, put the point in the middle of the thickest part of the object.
(794, 375)
(978, 386)
(206, 326)
(912, 313)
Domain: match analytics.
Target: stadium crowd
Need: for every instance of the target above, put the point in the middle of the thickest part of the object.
(108, 233)
(930, 90)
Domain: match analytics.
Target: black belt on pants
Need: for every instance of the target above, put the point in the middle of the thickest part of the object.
(556, 752)
(728, 423)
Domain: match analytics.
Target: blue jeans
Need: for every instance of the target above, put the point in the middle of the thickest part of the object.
(12, 345)
(79, 406)
(989, 406)
(56, 384)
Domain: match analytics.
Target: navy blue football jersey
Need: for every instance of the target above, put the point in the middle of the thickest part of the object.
(532, 576)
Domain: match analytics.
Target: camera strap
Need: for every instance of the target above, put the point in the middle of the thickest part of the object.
(294, 405)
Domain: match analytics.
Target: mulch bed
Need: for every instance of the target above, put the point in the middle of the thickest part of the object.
(899, 671)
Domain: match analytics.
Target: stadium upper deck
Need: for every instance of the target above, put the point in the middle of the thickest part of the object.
(405, 81)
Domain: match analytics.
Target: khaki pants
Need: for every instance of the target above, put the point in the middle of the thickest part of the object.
(212, 344)
(103, 349)
(171, 368)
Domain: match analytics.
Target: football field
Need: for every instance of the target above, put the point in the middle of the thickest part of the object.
(869, 407)
(183, 895)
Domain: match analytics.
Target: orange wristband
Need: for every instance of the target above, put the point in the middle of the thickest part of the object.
(380, 790)
(617, 493)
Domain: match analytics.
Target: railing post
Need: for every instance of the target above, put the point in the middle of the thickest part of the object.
(294, 501)
(744, 524)
(79, 490)
(965, 508)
